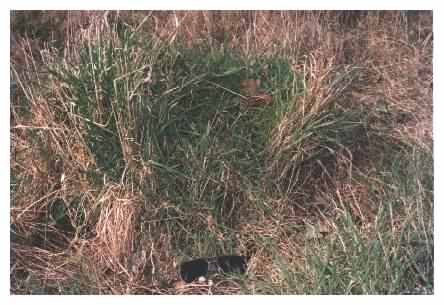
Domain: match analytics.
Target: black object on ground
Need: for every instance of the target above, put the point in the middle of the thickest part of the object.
(192, 270)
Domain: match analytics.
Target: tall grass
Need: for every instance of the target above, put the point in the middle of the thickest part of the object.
(133, 150)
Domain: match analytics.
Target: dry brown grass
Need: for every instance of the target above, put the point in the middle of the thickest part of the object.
(392, 50)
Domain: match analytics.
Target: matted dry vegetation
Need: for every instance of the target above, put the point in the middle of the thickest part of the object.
(102, 202)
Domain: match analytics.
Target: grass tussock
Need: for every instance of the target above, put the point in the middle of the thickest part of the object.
(301, 139)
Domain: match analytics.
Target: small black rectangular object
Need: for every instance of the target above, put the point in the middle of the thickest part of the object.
(192, 270)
